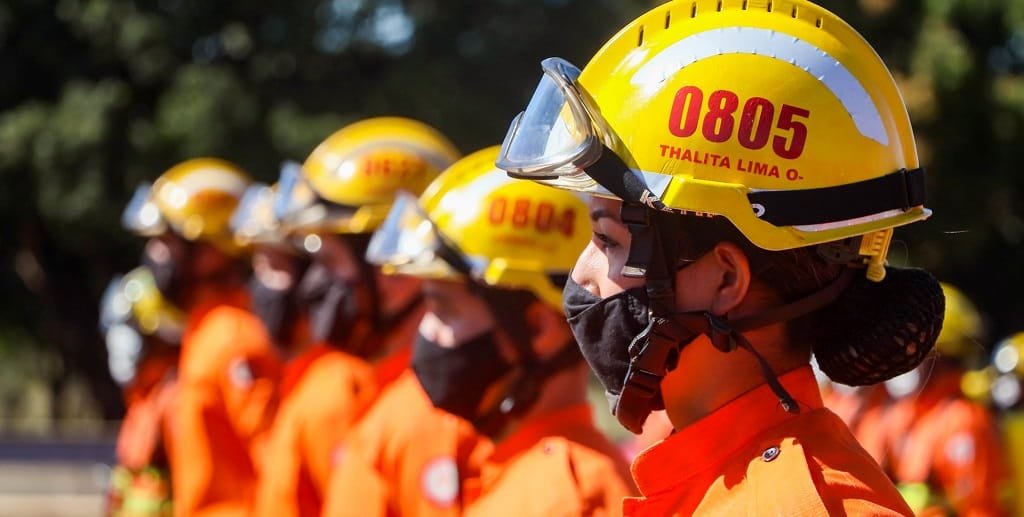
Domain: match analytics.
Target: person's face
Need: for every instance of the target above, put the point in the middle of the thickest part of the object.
(599, 267)
(454, 315)
(275, 268)
(166, 248)
(339, 258)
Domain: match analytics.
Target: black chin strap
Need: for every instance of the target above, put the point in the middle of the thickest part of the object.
(525, 389)
(655, 352)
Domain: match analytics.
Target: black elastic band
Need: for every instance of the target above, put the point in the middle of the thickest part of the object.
(523, 392)
(784, 397)
(901, 190)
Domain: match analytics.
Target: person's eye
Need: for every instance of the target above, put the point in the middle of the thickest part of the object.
(604, 242)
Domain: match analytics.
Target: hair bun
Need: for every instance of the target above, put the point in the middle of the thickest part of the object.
(882, 329)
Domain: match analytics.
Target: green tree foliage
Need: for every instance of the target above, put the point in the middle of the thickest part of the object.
(98, 95)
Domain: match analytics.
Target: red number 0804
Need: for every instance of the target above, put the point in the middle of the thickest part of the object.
(524, 212)
(755, 125)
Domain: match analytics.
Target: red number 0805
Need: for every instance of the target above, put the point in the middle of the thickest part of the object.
(524, 212)
(755, 125)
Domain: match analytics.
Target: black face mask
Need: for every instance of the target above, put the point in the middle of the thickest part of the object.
(332, 303)
(166, 274)
(278, 310)
(456, 379)
(605, 328)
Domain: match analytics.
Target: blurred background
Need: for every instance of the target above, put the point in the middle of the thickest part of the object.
(98, 95)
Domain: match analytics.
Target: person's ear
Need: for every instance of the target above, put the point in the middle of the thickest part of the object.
(733, 277)
(548, 327)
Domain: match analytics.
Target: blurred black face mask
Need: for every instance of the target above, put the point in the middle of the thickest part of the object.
(604, 329)
(333, 305)
(278, 309)
(456, 379)
(167, 274)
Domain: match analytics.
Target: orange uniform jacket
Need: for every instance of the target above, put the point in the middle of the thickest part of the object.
(141, 440)
(227, 381)
(557, 463)
(405, 457)
(750, 457)
(940, 437)
(323, 392)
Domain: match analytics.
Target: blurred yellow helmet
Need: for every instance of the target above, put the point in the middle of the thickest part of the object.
(347, 184)
(195, 199)
(774, 114)
(475, 221)
(962, 329)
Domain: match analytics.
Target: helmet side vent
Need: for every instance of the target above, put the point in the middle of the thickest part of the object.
(770, 7)
(719, 8)
(640, 37)
(817, 23)
(795, 13)
(693, 10)
(744, 6)
(668, 18)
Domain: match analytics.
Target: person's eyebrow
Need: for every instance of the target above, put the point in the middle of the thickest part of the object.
(601, 213)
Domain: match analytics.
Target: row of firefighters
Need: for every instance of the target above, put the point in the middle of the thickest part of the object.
(274, 364)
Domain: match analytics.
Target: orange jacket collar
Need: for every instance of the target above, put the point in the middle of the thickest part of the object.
(715, 437)
(555, 423)
(296, 368)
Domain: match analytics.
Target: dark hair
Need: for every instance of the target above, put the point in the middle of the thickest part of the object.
(874, 331)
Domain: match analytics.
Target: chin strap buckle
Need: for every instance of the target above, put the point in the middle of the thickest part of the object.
(637, 219)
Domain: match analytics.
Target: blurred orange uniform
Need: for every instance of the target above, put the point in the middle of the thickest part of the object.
(863, 409)
(940, 438)
(323, 393)
(405, 457)
(227, 381)
(557, 463)
(751, 457)
(140, 442)
(141, 483)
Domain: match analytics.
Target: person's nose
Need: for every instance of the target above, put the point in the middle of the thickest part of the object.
(590, 267)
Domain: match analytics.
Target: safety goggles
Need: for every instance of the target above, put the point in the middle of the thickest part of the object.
(299, 209)
(556, 138)
(142, 215)
(408, 243)
(254, 216)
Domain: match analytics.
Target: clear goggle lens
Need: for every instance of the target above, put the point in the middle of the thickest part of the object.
(554, 139)
(408, 243)
(142, 215)
(254, 216)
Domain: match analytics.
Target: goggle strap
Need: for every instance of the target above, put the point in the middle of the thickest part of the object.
(901, 190)
(612, 173)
